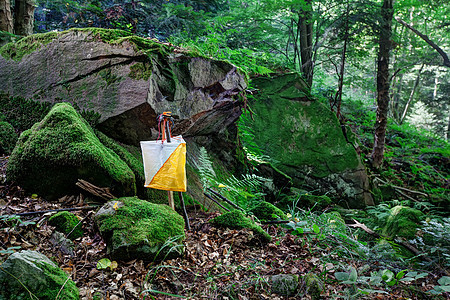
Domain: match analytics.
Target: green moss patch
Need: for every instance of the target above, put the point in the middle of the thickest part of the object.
(51, 156)
(26, 45)
(237, 220)
(135, 228)
(8, 137)
(402, 221)
(57, 279)
(303, 136)
(67, 223)
(266, 211)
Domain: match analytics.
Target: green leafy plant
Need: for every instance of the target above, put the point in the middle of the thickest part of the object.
(443, 287)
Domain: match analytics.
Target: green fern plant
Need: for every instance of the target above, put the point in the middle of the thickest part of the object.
(243, 191)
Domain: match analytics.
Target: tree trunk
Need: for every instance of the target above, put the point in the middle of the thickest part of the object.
(411, 96)
(6, 21)
(306, 48)
(342, 67)
(387, 12)
(24, 17)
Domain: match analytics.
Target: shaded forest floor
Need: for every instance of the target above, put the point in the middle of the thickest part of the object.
(217, 263)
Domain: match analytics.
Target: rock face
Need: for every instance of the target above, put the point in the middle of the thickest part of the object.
(133, 228)
(38, 274)
(305, 141)
(127, 79)
(50, 157)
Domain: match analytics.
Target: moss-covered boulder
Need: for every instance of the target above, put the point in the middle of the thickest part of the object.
(304, 140)
(266, 211)
(134, 228)
(67, 223)
(8, 138)
(28, 273)
(237, 220)
(313, 285)
(402, 221)
(50, 157)
(284, 284)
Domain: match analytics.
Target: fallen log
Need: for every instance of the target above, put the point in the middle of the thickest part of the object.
(104, 193)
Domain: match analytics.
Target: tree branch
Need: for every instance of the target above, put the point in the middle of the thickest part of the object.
(427, 40)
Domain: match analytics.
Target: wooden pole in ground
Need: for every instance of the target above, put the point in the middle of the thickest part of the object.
(166, 136)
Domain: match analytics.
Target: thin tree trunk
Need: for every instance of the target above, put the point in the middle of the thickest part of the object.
(6, 21)
(24, 17)
(448, 128)
(411, 96)
(306, 47)
(387, 12)
(342, 67)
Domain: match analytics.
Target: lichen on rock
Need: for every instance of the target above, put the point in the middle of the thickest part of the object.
(237, 220)
(135, 228)
(63, 148)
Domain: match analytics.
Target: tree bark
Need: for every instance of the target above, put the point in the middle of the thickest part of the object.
(24, 17)
(338, 96)
(387, 12)
(6, 21)
(306, 48)
(427, 40)
(411, 96)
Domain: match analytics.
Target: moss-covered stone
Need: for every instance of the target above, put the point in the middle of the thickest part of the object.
(402, 221)
(134, 228)
(67, 223)
(304, 140)
(41, 277)
(266, 211)
(317, 202)
(307, 133)
(50, 157)
(236, 219)
(284, 284)
(314, 286)
(8, 137)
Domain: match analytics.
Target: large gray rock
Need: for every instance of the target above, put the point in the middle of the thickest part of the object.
(38, 274)
(304, 140)
(133, 228)
(127, 79)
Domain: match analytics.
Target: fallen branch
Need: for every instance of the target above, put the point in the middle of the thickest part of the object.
(38, 212)
(407, 245)
(399, 188)
(215, 201)
(104, 193)
(224, 199)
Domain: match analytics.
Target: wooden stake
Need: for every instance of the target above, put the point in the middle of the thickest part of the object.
(186, 217)
(171, 202)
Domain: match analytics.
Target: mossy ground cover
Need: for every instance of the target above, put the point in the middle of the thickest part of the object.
(61, 149)
(236, 219)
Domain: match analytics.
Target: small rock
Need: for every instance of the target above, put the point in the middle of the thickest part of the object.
(314, 286)
(284, 284)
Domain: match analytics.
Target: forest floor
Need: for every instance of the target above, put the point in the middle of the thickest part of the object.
(217, 263)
